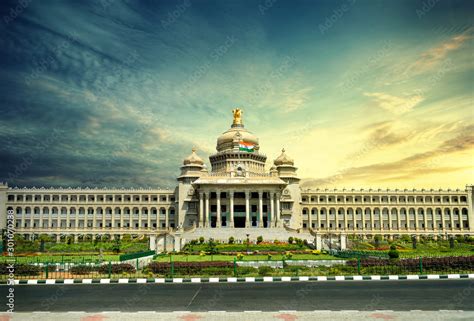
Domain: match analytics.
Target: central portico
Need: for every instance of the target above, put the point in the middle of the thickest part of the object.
(237, 192)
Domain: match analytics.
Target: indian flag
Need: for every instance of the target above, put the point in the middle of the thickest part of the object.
(247, 147)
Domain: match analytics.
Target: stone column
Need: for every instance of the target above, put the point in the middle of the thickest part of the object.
(399, 221)
(201, 209)
(94, 218)
(207, 219)
(112, 219)
(278, 217)
(389, 219)
(247, 209)
(318, 216)
(122, 210)
(362, 218)
(272, 210)
(218, 212)
(433, 216)
(346, 224)
(167, 218)
(140, 218)
(451, 211)
(336, 219)
(130, 220)
(149, 218)
(425, 218)
(461, 227)
(260, 209)
(231, 204)
(68, 216)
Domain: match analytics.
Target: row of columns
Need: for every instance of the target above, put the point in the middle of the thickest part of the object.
(86, 219)
(204, 218)
(381, 220)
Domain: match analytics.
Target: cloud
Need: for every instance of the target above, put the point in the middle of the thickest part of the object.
(411, 167)
(394, 104)
(434, 56)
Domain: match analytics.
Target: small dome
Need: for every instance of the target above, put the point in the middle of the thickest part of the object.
(283, 159)
(193, 159)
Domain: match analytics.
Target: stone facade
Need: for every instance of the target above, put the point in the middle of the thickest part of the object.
(237, 192)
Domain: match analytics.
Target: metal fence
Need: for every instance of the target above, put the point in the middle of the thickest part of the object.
(359, 266)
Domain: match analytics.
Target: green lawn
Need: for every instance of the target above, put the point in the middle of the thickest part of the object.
(220, 257)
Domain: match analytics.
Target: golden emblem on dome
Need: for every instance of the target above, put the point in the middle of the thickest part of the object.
(237, 116)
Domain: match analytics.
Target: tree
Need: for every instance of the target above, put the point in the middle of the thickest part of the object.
(116, 246)
(377, 239)
(211, 247)
(393, 253)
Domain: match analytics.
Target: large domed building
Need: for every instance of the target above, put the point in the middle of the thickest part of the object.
(237, 191)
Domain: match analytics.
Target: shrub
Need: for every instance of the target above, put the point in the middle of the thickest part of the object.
(201, 240)
(290, 240)
(20, 269)
(269, 257)
(316, 252)
(117, 268)
(264, 270)
(288, 255)
(82, 269)
(240, 256)
(393, 253)
(259, 239)
(188, 268)
(231, 240)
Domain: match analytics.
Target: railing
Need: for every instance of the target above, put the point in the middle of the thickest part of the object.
(117, 270)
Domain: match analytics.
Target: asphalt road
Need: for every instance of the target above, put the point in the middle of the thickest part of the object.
(428, 295)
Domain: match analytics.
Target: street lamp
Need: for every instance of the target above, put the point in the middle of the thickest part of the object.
(248, 242)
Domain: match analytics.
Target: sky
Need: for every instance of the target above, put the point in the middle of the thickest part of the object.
(115, 93)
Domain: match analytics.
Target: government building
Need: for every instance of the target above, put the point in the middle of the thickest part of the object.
(239, 197)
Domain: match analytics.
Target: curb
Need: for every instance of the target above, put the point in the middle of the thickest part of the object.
(244, 279)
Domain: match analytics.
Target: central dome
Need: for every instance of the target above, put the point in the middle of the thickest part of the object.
(236, 134)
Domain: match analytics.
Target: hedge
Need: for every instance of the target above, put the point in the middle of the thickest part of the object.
(21, 269)
(188, 267)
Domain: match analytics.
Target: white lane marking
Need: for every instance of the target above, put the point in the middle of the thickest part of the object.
(194, 296)
(105, 281)
(50, 281)
(195, 280)
(141, 280)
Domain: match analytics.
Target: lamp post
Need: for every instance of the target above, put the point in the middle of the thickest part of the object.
(248, 242)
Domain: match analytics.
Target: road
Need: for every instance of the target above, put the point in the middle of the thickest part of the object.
(427, 295)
